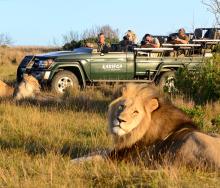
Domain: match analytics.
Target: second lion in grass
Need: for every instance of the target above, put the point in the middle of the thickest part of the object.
(27, 88)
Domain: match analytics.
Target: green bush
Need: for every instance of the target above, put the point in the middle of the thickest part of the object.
(197, 114)
(216, 121)
(203, 84)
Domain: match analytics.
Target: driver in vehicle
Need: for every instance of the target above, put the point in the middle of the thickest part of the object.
(102, 46)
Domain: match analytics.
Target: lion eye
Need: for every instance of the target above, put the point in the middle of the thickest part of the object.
(121, 107)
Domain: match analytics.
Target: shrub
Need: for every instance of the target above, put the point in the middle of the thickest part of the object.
(216, 121)
(203, 84)
(73, 40)
(197, 114)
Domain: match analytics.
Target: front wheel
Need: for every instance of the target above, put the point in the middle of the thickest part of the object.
(167, 82)
(63, 80)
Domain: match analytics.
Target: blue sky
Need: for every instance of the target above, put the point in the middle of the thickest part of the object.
(40, 22)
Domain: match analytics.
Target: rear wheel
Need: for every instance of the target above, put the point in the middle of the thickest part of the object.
(167, 82)
(63, 80)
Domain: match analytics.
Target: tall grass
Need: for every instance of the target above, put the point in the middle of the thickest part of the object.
(10, 58)
(39, 138)
(13, 55)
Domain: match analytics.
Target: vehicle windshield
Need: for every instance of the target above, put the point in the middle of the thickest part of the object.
(83, 50)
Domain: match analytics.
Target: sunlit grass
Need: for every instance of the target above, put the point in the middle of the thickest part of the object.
(38, 139)
(8, 73)
(10, 58)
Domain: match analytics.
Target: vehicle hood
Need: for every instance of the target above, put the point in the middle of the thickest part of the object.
(77, 53)
(55, 54)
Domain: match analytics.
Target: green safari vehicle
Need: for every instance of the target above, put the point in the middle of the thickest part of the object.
(85, 66)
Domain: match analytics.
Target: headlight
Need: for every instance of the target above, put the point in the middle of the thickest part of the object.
(45, 64)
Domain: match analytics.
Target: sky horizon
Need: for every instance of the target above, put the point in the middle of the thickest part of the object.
(44, 22)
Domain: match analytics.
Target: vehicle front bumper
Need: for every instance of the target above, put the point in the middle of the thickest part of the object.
(41, 75)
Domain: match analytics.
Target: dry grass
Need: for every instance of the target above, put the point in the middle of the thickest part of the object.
(38, 139)
(10, 57)
(13, 55)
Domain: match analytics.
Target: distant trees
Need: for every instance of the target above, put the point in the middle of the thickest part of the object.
(74, 39)
(214, 8)
(5, 39)
(108, 31)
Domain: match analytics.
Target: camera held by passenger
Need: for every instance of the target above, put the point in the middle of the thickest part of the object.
(172, 38)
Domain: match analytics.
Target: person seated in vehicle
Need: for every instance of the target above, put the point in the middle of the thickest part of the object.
(125, 44)
(132, 37)
(129, 41)
(181, 38)
(103, 47)
(149, 41)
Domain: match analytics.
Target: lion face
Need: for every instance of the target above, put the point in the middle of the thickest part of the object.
(127, 115)
(28, 87)
(131, 112)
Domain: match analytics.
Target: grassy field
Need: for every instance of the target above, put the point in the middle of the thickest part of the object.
(38, 139)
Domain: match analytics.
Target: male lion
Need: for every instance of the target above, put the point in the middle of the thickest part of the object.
(146, 127)
(5, 90)
(28, 87)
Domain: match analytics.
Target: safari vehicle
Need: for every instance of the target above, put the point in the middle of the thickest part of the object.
(207, 33)
(84, 66)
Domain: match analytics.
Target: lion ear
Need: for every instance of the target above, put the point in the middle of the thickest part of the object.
(153, 104)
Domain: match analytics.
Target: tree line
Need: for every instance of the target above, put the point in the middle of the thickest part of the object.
(74, 39)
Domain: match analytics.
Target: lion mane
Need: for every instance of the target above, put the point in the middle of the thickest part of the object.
(145, 125)
(27, 88)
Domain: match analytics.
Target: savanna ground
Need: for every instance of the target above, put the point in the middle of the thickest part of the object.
(38, 139)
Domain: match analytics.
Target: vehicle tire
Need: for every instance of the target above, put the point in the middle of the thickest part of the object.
(62, 80)
(167, 82)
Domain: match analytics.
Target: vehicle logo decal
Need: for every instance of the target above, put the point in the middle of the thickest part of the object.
(112, 67)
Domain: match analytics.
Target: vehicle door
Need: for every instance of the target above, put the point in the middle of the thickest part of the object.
(109, 66)
(146, 63)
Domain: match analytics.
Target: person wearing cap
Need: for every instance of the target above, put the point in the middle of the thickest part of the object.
(181, 38)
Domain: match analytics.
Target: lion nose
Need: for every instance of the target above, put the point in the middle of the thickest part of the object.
(121, 120)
